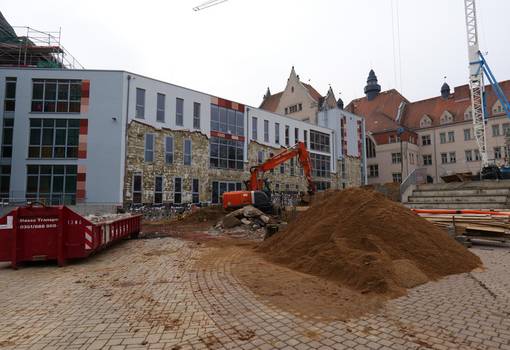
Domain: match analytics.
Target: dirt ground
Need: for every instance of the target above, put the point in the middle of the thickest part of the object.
(301, 294)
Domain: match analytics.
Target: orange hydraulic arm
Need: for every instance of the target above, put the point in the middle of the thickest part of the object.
(299, 150)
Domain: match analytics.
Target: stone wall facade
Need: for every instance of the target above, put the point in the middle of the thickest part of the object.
(288, 178)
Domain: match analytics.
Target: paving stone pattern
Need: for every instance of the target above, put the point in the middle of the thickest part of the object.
(149, 294)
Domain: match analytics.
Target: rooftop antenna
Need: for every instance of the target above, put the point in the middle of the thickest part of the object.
(208, 4)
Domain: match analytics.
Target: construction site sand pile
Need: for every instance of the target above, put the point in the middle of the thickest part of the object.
(361, 239)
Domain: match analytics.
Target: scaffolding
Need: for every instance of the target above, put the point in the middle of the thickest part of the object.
(35, 48)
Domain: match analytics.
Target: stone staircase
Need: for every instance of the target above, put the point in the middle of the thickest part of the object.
(488, 194)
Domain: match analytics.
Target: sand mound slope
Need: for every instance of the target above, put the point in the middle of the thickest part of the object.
(359, 238)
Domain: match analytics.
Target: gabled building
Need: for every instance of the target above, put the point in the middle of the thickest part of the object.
(435, 133)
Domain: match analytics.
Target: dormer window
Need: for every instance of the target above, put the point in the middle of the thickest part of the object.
(446, 118)
(425, 121)
(497, 108)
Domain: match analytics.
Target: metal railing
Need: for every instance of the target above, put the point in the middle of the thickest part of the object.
(417, 177)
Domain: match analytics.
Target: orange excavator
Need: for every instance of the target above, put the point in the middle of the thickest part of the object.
(257, 191)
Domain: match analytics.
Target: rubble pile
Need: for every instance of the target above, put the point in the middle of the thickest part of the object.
(97, 218)
(247, 217)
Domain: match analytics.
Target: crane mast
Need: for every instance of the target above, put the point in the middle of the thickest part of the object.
(476, 80)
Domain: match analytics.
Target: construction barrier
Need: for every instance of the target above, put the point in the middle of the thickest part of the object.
(38, 232)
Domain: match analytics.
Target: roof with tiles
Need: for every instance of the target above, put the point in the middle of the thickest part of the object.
(270, 103)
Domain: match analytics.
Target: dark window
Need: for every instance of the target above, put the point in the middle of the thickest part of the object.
(321, 165)
(319, 141)
(196, 115)
(282, 168)
(397, 177)
(8, 129)
(160, 112)
(158, 190)
(260, 157)
(52, 184)
(254, 128)
(266, 130)
(427, 159)
(149, 148)
(220, 187)
(169, 150)
(187, 152)
(226, 154)
(140, 103)
(54, 138)
(179, 112)
(10, 95)
(373, 170)
(177, 190)
(370, 148)
(296, 135)
(396, 158)
(56, 96)
(137, 188)
(287, 136)
(195, 191)
(5, 181)
(277, 133)
(425, 140)
(305, 137)
(292, 168)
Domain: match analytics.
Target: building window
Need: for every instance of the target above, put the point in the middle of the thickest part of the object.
(149, 148)
(140, 103)
(158, 190)
(169, 150)
(319, 141)
(266, 130)
(220, 187)
(292, 167)
(287, 136)
(137, 188)
(226, 154)
(442, 137)
(300, 107)
(282, 168)
(5, 181)
(427, 159)
(495, 130)
(373, 170)
(396, 158)
(469, 155)
(411, 158)
(451, 136)
(52, 184)
(453, 157)
(305, 137)
(392, 139)
(397, 177)
(321, 165)
(497, 152)
(227, 121)
(56, 96)
(8, 130)
(277, 133)
(54, 138)
(467, 134)
(370, 148)
(286, 110)
(187, 152)
(195, 191)
(296, 135)
(444, 158)
(292, 109)
(179, 112)
(254, 128)
(477, 155)
(260, 157)
(506, 129)
(196, 115)
(10, 95)
(177, 190)
(160, 108)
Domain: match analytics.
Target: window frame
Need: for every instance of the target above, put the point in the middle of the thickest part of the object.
(179, 111)
(197, 107)
(159, 193)
(187, 158)
(147, 150)
(169, 155)
(160, 107)
(140, 103)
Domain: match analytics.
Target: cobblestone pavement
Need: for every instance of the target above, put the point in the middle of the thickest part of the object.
(149, 294)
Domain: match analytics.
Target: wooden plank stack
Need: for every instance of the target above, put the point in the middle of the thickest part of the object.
(479, 225)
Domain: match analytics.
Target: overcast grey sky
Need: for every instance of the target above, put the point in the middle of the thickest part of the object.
(238, 48)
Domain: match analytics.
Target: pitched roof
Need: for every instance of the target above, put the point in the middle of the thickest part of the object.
(379, 113)
(271, 102)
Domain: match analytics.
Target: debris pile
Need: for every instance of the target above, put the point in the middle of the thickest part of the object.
(361, 239)
(248, 217)
(98, 218)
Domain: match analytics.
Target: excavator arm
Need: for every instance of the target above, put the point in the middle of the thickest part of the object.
(299, 151)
